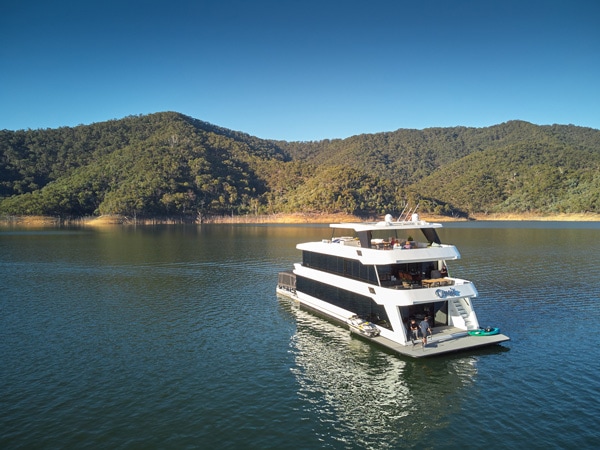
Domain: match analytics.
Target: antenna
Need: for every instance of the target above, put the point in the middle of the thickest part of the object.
(402, 213)
(410, 212)
(414, 216)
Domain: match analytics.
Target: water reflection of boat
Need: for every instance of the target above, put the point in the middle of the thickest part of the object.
(379, 399)
(382, 274)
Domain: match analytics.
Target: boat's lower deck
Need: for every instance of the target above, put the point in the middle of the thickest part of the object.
(445, 339)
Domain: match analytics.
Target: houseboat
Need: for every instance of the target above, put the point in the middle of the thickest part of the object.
(387, 273)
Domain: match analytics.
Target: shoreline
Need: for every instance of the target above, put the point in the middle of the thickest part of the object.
(297, 218)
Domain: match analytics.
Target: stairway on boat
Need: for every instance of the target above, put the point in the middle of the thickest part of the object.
(459, 306)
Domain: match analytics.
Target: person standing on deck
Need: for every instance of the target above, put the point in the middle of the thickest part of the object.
(414, 330)
(425, 329)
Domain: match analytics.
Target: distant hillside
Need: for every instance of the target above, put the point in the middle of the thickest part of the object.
(168, 164)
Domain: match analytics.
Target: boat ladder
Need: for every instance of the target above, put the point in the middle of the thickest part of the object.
(460, 308)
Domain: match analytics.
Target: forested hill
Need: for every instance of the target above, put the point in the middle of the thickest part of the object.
(168, 164)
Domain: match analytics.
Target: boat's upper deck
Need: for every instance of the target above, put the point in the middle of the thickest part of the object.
(384, 252)
(387, 242)
(387, 225)
(390, 230)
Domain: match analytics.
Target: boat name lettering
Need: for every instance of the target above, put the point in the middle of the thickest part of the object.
(443, 293)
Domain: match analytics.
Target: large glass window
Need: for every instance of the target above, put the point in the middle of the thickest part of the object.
(350, 268)
(363, 306)
(438, 311)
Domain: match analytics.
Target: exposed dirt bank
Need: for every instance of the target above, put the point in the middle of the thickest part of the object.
(299, 218)
(580, 217)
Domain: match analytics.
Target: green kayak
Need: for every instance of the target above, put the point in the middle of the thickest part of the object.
(485, 331)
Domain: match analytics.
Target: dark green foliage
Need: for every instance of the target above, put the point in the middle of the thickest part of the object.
(168, 164)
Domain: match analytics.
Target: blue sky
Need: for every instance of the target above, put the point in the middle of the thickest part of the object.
(301, 69)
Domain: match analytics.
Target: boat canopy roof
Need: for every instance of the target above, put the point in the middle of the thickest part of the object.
(388, 224)
(382, 226)
(365, 230)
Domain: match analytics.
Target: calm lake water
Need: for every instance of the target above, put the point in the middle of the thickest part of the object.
(173, 337)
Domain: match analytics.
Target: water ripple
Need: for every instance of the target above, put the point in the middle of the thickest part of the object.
(173, 337)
